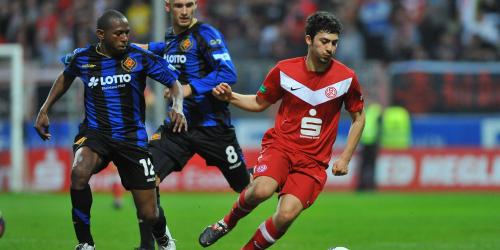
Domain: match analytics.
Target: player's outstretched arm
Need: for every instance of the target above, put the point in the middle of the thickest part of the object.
(60, 86)
(355, 131)
(251, 103)
(176, 113)
(186, 89)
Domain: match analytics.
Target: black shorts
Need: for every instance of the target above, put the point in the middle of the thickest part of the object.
(217, 145)
(132, 161)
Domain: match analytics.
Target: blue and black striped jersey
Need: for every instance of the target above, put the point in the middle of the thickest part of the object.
(201, 56)
(114, 89)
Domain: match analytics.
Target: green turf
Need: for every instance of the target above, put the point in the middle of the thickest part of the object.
(367, 221)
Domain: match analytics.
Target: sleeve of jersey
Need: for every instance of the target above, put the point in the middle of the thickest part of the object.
(160, 70)
(271, 90)
(69, 61)
(158, 48)
(354, 99)
(217, 56)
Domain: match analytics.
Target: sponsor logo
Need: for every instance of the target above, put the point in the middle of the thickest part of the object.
(88, 65)
(155, 136)
(235, 165)
(293, 89)
(215, 42)
(310, 126)
(80, 141)
(262, 89)
(175, 59)
(223, 57)
(261, 168)
(128, 64)
(331, 92)
(186, 44)
(109, 80)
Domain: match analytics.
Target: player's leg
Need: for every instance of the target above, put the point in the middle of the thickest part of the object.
(258, 191)
(270, 173)
(86, 162)
(298, 193)
(117, 191)
(137, 173)
(289, 208)
(169, 153)
(219, 147)
(148, 211)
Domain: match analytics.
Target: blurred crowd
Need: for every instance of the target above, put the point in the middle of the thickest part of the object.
(385, 30)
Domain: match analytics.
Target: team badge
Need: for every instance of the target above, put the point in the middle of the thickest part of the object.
(128, 64)
(186, 45)
(331, 92)
(261, 168)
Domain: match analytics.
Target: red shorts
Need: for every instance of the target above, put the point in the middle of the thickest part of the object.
(295, 173)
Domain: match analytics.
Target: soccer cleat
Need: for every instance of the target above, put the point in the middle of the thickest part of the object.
(171, 244)
(163, 242)
(212, 233)
(84, 246)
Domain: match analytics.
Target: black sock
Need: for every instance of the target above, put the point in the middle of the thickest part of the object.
(159, 228)
(81, 201)
(147, 240)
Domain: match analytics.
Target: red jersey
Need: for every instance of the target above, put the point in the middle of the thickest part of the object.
(309, 113)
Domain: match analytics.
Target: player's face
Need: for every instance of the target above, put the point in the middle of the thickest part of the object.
(182, 12)
(323, 46)
(116, 37)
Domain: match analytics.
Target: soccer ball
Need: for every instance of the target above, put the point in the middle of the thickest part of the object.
(338, 248)
(2, 225)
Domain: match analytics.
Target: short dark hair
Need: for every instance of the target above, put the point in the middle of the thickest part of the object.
(322, 21)
(104, 21)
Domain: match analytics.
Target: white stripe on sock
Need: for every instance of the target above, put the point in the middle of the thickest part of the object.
(265, 233)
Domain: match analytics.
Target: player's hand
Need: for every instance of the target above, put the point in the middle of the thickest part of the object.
(340, 167)
(166, 94)
(42, 125)
(222, 92)
(178, 120)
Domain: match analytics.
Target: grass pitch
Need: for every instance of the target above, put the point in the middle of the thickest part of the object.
(359, 221)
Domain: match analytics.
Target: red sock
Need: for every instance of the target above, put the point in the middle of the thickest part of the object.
(239, 210)
(264, 237)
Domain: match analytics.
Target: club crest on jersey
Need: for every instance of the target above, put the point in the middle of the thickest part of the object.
(261, 168)
(128, 64)
(186, 44)
(331, 92)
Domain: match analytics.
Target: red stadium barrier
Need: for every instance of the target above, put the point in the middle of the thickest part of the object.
(450, 169)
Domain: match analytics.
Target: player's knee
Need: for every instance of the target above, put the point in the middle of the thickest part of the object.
(260, 193)
(286, 216)
(150, 217)
(79, 177)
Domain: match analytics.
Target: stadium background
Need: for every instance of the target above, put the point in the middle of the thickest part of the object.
(439, 59)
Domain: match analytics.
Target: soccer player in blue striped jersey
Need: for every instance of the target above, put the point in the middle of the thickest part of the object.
(199, 52)
(114, 75)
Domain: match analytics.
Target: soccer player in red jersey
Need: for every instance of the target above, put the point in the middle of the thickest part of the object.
(295, 153)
